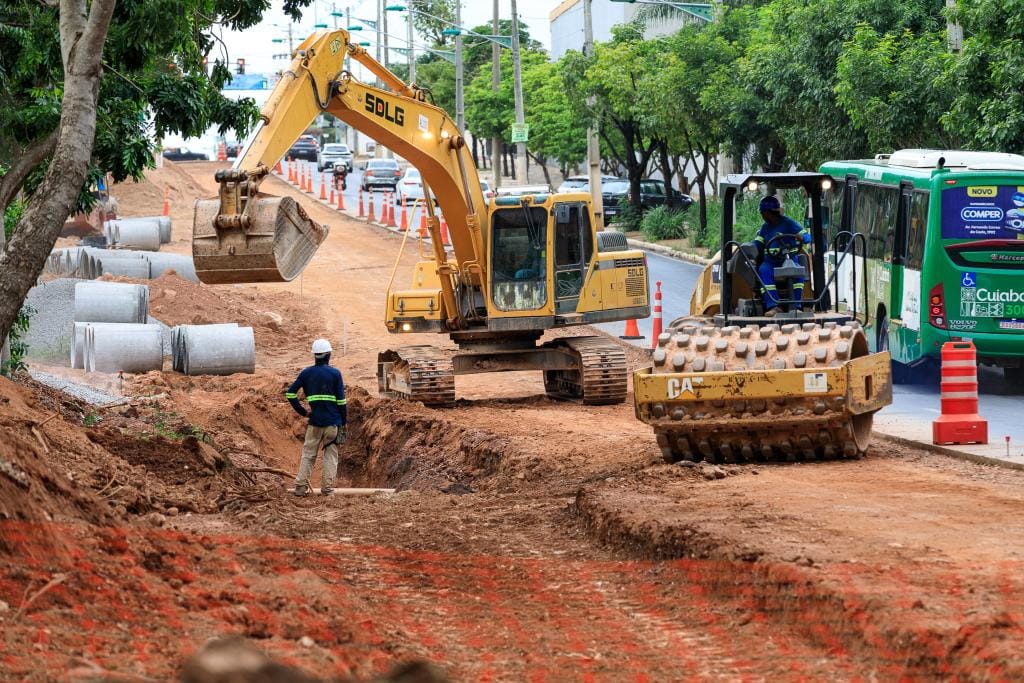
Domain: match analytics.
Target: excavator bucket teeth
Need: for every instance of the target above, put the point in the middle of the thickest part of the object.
(275, 247)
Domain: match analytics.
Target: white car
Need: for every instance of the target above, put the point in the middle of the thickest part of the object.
(410, 187)
(520, 190)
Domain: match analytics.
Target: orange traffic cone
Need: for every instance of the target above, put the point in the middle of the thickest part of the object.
(331, 200)
(277, 168)
(309, 180)
(404, 225)
(959, 421)
(632, 331)
(369, 216)
(323, 189)
(423, 222)
(362, 211)
(445, 237)
(291, 172)
(222, 152)
(391, 210)
(167, 204)
(341, 200)
(656, 319)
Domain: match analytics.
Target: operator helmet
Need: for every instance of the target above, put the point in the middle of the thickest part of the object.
(321, 346)
(770, 203)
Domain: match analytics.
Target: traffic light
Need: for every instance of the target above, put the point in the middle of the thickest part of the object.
(240, 67)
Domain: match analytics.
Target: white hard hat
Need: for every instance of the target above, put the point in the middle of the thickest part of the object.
(321, 346)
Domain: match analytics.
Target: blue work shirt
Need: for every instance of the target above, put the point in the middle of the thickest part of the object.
(324, 391)
(778, 251)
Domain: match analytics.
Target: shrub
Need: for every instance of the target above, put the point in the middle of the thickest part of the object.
(663, 223)
(629, 219)
(16, 363)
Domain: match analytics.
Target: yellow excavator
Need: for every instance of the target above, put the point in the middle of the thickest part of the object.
(520, 265)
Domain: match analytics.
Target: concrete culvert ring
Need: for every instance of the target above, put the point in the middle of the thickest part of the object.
(742, 429)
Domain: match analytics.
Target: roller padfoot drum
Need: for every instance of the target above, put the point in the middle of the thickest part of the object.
(599, 375)
(278, 242)
(417, 373)
(789, 392)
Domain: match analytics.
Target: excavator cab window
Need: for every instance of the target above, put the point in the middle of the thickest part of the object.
(573, 248)
(519, 255)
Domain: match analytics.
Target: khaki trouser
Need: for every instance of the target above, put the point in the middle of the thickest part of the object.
(315, 436)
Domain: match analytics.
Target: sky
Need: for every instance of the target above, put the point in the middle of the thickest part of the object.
(256, 47)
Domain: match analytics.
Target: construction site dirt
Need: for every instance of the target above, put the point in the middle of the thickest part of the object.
(528, 539)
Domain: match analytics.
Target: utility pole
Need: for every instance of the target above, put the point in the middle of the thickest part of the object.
(384, 19)
(460, 114)
(518, 92)
(378, 150)
(348, 67)
(496, 142)
(593, 145)
(954, 31)
(412, 52)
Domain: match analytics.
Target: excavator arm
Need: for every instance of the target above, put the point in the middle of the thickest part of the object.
(244, 236)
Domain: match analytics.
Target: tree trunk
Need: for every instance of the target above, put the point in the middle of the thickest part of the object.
(476, 155)
(666, 165)
(542, 162)
(504, 160)
(82, 35)
(24, 162)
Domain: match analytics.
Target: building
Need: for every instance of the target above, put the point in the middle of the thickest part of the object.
(566, 22)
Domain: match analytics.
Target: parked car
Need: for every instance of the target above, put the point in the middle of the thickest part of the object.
(614, 196)
(488, 192)
(334, 154)
(520, 190)
(581, 183)
(183, 154)
(381, 173)
(306, 147)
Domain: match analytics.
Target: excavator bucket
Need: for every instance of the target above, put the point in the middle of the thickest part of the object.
(272, 242)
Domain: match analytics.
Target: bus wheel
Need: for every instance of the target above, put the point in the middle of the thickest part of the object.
(882, 334)
(1014, 376)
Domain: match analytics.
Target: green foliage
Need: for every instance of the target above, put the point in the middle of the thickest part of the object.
(91, 419)
(438, 76)
(431, 17)
(663, 223)
(629, 218)
(988, 107)
(12, 214)
(18, 346)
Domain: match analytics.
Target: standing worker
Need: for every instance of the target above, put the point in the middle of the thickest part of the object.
(325, 393)
(775, 252)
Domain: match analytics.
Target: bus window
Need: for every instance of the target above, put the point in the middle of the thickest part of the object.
(916, 230)
(832, 214)
(876, 218)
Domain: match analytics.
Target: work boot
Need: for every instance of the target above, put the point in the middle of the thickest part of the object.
(326, 491)
(301, 491)
(771, 312)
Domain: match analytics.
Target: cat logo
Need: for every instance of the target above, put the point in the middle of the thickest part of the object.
(678, 387)
(335, 46)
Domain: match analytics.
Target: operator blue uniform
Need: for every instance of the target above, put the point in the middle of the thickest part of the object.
(776, 254)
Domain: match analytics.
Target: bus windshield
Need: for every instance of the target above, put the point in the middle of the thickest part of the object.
(979, 212)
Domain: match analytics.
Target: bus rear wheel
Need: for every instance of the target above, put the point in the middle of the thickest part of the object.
(1014, 376)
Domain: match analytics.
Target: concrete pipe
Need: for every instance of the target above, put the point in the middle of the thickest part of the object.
(123, 348)
(134, 268)
(137, 234)
(217, 350)
(181, 264)
(111, 302)
(93, 266)
(78, 340)
(178, 342)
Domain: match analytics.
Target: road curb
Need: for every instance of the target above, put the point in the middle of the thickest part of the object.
(668, 251)
(949, 452)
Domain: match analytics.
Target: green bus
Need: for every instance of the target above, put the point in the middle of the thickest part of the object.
(943, 258)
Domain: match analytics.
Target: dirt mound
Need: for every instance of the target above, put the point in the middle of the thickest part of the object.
(136, 199)
(36, 486)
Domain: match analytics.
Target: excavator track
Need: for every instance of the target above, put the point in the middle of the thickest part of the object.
(787, 427)
(417, 373)
(601, 377)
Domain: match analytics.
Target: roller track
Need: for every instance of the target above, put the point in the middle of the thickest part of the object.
(417, 373)
(601, 379)
(736, 430)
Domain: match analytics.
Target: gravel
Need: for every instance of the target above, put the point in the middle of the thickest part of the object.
(79, 391)
(49, 333)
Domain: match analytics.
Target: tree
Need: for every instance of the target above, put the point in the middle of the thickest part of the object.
(555, 132)
(431, 17)
(988, 107)
(887, 83)
(60, 75)
(614, 76)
